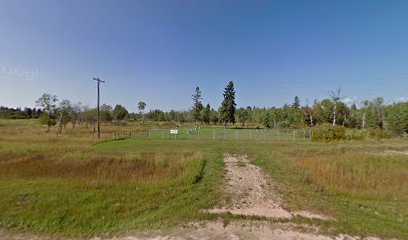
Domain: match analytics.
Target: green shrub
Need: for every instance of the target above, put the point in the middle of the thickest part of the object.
(328, 132)
(47, 119)
(378, 133)
(356, 134)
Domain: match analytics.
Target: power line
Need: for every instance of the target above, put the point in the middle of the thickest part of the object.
(99, 115)
(349, 81)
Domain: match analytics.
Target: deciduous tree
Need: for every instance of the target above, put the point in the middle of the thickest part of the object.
(64, 114)
(206, 114)
(242, 115)
(48, 102)
(141, 106)
(120, 113)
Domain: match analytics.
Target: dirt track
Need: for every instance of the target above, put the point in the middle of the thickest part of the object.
(251, 193)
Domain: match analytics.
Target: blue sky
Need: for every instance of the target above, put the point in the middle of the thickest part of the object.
(159, 51)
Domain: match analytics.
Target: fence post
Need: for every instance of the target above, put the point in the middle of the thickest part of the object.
(198, 135)
(250, 134)
(236, 134)
(264, 134)
(278, 135)
(149, 133)
(225, 133)
(213, 134)
(351, 135)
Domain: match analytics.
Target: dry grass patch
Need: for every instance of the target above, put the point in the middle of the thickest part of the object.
(373, 176)
(144, 166)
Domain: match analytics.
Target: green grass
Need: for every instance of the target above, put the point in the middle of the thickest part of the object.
(74, 185)
(156, 188)
(364, 191)
(230, 134)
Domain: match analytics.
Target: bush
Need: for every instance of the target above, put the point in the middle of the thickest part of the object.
(378, 133)
(328, 132)
(47, 119)
(356, 134)
(284, 124)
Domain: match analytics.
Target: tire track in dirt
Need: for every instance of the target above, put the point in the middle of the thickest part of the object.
(252, 192)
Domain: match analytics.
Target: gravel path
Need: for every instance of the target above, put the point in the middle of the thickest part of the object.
(252, 192)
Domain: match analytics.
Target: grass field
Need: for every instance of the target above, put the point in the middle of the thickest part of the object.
(229, 134)
(74, 185)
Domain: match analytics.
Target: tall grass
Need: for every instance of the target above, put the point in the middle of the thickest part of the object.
(374, 176)
(142, 166)
(363, 188)
(76, 186)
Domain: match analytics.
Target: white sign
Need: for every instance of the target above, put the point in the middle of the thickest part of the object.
(173, 131)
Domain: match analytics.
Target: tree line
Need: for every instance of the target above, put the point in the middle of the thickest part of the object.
(18, 113)
(333, 111)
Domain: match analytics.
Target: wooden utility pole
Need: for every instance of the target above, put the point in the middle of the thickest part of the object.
(99, 114)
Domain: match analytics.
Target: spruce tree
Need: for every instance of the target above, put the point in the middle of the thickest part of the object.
(228, 106)
(198, 106)
(296, 103)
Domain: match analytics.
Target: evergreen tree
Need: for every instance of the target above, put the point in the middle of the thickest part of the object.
(198, 106)
(228, 106)
(296, 103)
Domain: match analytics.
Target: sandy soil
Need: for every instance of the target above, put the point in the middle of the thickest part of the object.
(393, 152)
(215, 230)
(252, 192)
(233, 231)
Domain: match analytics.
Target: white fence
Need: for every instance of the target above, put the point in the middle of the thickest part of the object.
(226, 134)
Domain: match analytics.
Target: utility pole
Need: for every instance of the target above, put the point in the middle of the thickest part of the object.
(99, 114)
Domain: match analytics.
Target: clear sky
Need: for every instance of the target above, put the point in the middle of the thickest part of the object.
(159, 51)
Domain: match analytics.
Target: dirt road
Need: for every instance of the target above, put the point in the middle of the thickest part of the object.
(251, 193)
